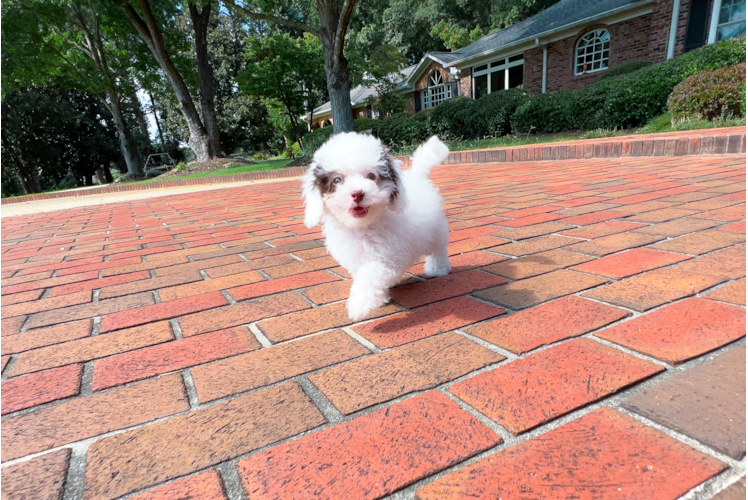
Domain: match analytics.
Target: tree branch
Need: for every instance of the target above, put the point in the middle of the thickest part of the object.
(267, 17)
(345, 18)
(139, 25)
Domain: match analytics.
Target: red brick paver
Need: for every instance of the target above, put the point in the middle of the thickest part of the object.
(175, 347)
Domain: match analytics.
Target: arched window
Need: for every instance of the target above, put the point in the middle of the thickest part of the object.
(593, 52)
(437, 91)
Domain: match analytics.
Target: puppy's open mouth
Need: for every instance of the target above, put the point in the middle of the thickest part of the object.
(358, 212)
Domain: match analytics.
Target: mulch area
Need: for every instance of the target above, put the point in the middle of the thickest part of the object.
(199, 167)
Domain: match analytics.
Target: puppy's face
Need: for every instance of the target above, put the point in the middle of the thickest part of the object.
(355, 178)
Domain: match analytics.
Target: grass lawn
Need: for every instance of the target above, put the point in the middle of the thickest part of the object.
(242, 169)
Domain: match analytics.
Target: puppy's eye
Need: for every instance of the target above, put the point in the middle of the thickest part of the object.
(371, 177)
(337, 180)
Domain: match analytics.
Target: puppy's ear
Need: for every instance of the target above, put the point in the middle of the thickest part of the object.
(398, 200)
(315, 208)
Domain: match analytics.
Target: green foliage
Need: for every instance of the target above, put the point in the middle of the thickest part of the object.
(231, 164)
(710, 95)
(181, 167)
(400, 130)
(49, 135)
(259, 156)
(624, 69)
(455, 37)
(625, 101)
(496, 110)
(286, 70)
(455, 119)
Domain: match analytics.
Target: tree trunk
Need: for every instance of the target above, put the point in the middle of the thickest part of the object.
(140, 117)
(108, 174)
(151, 34)
(126, 142)
(155, 118)
(100, 176)
(200, 21)
(336, 65)
(28, 183)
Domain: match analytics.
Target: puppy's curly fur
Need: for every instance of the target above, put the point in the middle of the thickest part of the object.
(377, 220)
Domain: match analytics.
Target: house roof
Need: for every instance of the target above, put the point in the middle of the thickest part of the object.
(361, 93)
(562, 14)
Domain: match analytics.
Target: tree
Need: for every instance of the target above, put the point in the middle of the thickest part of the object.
(384, 75)
(334, 17)
(54, 138)
(200, 20)
(64, 44)
(286, 70)
(455, 37)
(149, 29)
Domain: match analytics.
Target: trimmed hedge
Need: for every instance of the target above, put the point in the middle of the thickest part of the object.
(624, 68)
(710, 95)
(625, 101)
(401, 129)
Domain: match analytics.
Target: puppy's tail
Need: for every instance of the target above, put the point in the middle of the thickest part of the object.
(428, 155)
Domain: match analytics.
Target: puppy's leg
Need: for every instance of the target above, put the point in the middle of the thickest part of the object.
(369, 289)
(437, 264)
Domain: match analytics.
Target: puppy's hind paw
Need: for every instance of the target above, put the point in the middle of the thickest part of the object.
(436, 266)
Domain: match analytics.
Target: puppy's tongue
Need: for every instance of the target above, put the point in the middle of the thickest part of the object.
(358, 212)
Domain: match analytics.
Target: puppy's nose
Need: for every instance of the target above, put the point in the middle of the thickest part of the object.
(357, 196)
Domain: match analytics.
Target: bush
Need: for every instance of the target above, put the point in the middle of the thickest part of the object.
(624, 69)
(710, 95)
(423, 115)
(456, 119)
(259, 156)
(548, 113)
(625, 101)
(363, 124)
(494, 111)
(401, 129)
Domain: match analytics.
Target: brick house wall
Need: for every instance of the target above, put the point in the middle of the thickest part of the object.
(659, 31)
(642, 38)
(629, 40)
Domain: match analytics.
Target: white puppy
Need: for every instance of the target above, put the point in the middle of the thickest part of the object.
(377, 220)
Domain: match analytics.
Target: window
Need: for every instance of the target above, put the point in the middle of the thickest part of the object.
(731, 21)
(498, 75)
(437, 91)
(593, 52)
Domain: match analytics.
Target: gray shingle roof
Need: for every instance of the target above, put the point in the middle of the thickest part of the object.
(556, 16)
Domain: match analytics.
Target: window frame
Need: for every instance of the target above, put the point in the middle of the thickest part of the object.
(594, 52)
(501, 64)
(436, 90)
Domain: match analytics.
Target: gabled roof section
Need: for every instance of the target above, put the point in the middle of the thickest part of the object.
(565, 13)
(443, 58)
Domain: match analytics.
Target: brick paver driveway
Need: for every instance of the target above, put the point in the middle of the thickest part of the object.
(588, 344)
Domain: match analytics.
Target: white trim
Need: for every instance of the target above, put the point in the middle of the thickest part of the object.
(716, 5)
(714, 21)
(616, 16)
(545, 66)
(603, 61)
(490, 69)
(674, 29)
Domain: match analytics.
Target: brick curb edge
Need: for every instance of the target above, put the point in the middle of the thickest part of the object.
(706, 145)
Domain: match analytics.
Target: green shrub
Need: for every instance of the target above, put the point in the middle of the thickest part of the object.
(456, 119)
(231, 164)
(493, 112)
(625, 101)
(624, 68)
(259, 156)
(401, 129)
(660, 123)
(548, 113)
(181, 167)
(363, 124)
(710, 95)
(423, 115)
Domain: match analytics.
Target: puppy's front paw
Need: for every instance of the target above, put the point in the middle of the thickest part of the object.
(360, 304)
